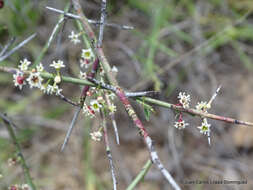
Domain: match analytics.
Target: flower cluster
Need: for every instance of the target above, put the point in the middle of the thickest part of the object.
(34, 78)
(184, 101)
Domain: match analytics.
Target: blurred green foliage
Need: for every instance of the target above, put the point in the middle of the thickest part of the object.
(19, 17)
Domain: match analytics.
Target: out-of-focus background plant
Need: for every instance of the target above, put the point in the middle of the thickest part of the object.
(185, 45)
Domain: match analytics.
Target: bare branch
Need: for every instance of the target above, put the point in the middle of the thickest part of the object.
(109, 154)
(70, 129)
(123, 27)
(102, 21)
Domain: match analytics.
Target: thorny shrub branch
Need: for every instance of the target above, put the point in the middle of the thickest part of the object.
(35, 77)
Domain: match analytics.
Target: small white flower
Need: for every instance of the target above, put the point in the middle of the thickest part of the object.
(202, 106)
(114, 69)
(74, 37)
(57, 65)
(57, 90)
(184, 99)
(24, 65)
(96, 136)
(112, 108)
(180, 124)
(34, 80)
(25, 187)
(83, 75)
(1, 176)
(57, 79)
(50, 89)
(40, 68)
(95, 105)
(88, 111)
(87, 54)
(19, 79)
(205, 127)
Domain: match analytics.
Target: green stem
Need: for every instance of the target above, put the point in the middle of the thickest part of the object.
(68, 79)
(140, 176)
(144, 100)
(9, 127)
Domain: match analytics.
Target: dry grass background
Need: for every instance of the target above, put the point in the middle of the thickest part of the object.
(43, 120)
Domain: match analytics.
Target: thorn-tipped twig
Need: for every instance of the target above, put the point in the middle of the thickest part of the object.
(102, 21)
(214, 95)
(7, 46)
(68, 100)
(52, 36)
(209, 105)
(9, 125)
(127, 94)
(114, 124)
(70, 129)
(115, 128)
(82, 100)
(109, 154)
(17, 47)
(123, 27)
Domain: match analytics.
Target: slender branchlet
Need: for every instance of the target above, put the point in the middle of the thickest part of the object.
(70, 15)
(21, 44)
(65, 99)
(108, 152)
(70, 129)
(195, 112)
(52, 36)
(9, 125)
(82, 100)
(5, 48)
(102, 21)
(114, 124)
